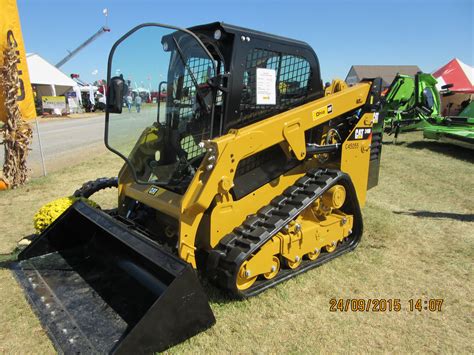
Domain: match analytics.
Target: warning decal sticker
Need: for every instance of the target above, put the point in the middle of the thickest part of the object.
(266, 86)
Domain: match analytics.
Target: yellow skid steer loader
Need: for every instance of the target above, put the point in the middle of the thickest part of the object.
(237, 166)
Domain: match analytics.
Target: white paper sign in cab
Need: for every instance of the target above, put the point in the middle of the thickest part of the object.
(266, 86)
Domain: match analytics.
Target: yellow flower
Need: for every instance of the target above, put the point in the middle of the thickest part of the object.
(52, 210)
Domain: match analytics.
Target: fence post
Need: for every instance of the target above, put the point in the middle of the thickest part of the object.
(40, 147)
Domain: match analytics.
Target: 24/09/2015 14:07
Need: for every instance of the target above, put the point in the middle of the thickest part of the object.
(384, 305)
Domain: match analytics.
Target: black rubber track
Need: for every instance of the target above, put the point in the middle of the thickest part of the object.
(93, 186)
(225, 260)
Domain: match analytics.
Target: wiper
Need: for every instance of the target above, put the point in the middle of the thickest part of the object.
(201, 100)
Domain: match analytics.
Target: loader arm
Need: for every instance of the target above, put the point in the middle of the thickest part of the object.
(227, 151)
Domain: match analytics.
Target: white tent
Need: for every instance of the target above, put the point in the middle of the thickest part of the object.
(141, 90)
(47, 79)
(88, 88)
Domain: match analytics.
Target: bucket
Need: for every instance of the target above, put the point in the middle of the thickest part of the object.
(100, 286)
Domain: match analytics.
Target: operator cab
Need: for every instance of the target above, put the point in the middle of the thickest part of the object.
(182, 79)
(253, 58)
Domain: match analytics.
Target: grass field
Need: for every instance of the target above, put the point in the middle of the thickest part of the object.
(418, 243)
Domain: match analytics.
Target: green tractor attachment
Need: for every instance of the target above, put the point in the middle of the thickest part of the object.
(413, 103)
(410, 103)
(458, 130)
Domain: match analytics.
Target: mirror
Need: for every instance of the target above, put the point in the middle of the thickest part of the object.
(115, 93)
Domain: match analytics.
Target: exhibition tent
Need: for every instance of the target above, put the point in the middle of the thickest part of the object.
(457, 73)
(46, 78)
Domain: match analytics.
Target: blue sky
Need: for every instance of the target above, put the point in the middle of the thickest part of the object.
(342, 33)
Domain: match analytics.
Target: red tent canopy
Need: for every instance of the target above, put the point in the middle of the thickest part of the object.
(457, 73)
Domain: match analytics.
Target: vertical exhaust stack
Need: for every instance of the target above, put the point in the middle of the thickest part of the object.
(98, 286)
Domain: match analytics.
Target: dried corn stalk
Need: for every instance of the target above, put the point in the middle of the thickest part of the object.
(17, 134)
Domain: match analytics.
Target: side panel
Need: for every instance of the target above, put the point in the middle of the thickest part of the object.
(375, 151)
(356, 154)
(374, 106)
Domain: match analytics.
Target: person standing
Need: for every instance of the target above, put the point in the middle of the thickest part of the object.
(129, 102)
(138, 103)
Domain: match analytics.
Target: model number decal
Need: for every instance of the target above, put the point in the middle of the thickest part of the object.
(353, 145)
(361, 133)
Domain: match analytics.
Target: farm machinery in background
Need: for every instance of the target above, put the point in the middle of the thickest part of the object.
(413, 103)
(409, 103)
(458, 130)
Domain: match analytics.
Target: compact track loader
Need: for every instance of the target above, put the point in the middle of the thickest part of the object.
(240, 168)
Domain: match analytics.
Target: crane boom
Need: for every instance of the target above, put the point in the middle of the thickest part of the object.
(83, 45)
